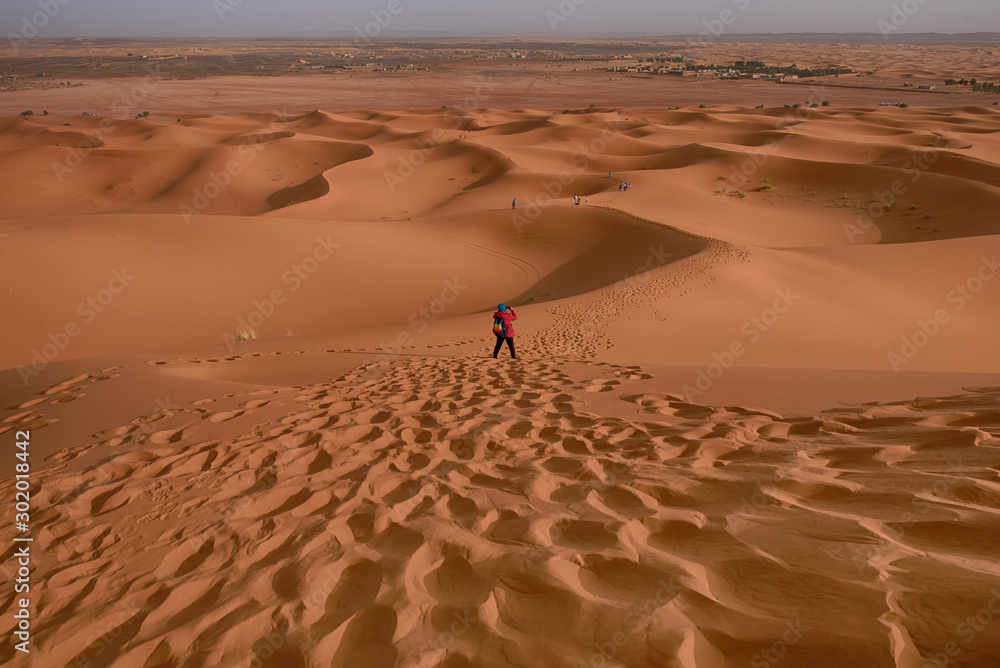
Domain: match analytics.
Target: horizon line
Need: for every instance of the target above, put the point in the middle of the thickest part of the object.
(539, 36)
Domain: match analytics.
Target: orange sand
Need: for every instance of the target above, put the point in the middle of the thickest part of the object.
(716, 449)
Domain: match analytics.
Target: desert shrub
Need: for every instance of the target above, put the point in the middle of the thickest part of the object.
(27, 112)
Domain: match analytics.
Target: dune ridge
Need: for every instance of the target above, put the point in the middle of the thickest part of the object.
(360, 484)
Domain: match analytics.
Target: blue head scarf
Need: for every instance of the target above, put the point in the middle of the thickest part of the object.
(502, 308)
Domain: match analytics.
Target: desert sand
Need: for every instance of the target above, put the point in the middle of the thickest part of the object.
(755, 418)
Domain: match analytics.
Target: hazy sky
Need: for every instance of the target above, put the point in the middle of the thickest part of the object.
(199, 18)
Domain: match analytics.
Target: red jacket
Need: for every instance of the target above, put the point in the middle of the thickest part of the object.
(508, 318)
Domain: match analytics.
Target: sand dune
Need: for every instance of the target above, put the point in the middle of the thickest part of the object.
(755, 419)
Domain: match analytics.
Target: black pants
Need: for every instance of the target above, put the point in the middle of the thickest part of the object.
(510, 344)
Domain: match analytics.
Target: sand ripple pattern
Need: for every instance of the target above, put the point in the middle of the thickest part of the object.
(451, 512)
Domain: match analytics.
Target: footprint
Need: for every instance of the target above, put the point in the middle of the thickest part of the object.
(357, 589)
(225, 416)
(33, 402)
(367, 641)
(455, 582)
(582, 535)
(167, 436)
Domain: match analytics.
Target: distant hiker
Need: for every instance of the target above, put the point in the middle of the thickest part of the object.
(503, 329)
(609, 175)
(630, 184)
(576, 199)
(513, 205)
(588, 199)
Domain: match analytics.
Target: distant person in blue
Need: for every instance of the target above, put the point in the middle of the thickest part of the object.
(513, 205)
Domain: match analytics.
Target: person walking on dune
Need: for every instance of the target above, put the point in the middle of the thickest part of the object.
(503, 329)
(513, 205)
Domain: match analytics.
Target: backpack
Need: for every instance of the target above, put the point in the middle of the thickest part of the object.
(499, 327)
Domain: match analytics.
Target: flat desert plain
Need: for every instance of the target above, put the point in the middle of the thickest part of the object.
(754, 419)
